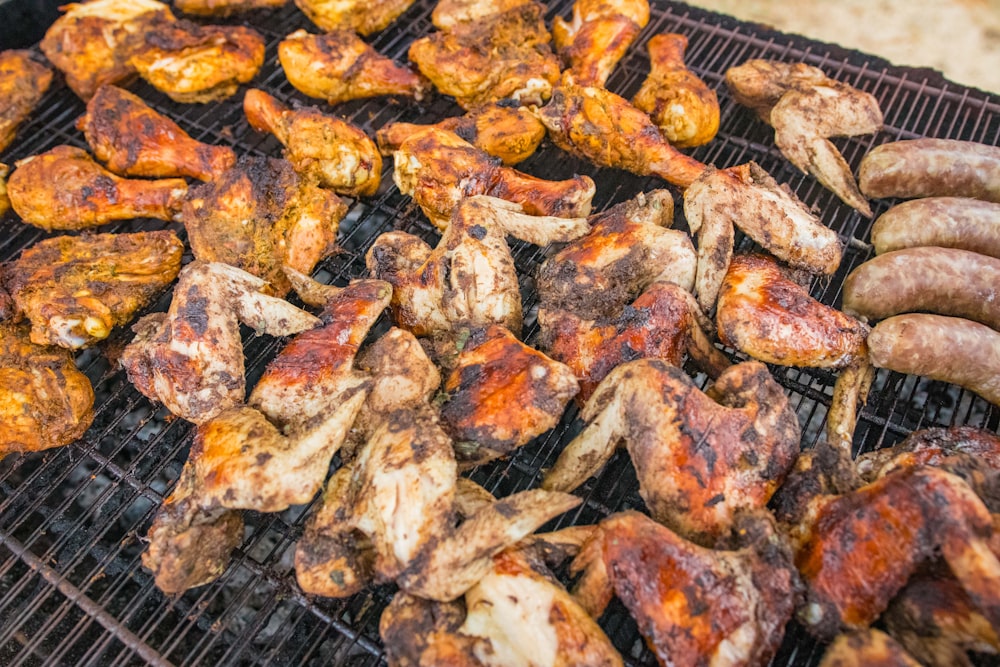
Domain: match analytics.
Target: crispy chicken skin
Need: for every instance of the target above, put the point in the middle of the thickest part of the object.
(511, 133)
(334, 153)
(92, 43)
(132, 139)
(23, 82)
(451, 14)
(439, 169)
(65, 189)
(701, 459)
(606, 129)
(225, 7)
(694, 606)
(682, 106)
(867, 648)
(501, 55)
(805, 108)
(598, 37)
(339, 66)
(44, 400)
(361, 17)
(260, 216)
(75, 289)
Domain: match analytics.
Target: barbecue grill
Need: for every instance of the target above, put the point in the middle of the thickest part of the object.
(72, 520)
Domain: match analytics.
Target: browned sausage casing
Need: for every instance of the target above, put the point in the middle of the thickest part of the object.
(947, 222)
(931, 168)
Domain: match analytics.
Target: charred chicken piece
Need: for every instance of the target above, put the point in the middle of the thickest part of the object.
(75, 289)
(334, 153)
(499, 56)
(260, 216)
(191, 357)
(65, 189)
(805, 108)
(361, 17)
(701, 459)
(604, 128)
(682, 106)
(44, 400)
(225, 7)
(867, 648)
(748, 197)
(598, 37)
(93, 42)
(339, 66)
(132, 139)
(510, 133)
(694, 606)
(23, 82)
(501, 394)
(450, 14)
(439, 169)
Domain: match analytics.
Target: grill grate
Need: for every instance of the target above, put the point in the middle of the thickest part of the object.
(72, 590)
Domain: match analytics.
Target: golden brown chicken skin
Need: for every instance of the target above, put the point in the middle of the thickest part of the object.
(44, 400)
(334, 153)
(75, 289)
(23, 82)
(867, 648)
(339, 66)
(225, 7)
(598, 37)
(361, 17)
(132, 139)
(682, 106)
(451, 14)
(65, 189)
(4, 199)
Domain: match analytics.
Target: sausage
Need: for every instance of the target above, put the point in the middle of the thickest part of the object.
(950, 349)
(947, 222)
(945, 281)
(931, 168)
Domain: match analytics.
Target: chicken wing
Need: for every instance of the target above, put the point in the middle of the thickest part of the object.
(439, 169)
(598, 37)
(334, 153)
(225, 7)
(134, 140)
(360, 17)
(604, 128)
(682, 106)
(260, 216)
(339, 66)
(65, 189)
(501, 55)
(23, 82)
(44, 400)
(694, 606)
(866, 648)
(701, 459)
(74, 289)
(805, 108)
(195, 63)
(93, 42)
(511, 133)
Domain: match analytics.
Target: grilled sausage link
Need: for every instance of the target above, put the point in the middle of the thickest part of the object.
(945, 281)
(931, 168)
(946, 222)
(949, 349)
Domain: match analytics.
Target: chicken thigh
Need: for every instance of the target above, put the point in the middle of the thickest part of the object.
(361, 17)
(23, 82)
(225, 7)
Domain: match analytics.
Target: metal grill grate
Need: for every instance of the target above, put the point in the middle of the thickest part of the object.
(72, 590)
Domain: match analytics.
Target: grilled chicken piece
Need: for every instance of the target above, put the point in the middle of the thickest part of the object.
(439, 169)
(598, 37)
(260, 216)
(449, 14)
(469, 280)
(867, 648)
(682, 106)
(65, 189)
(701, 459)
(191, 357)
(507, 132)
(4, 199)
(339, 66)
(334, 153)
(225, 7)
(805, 108)
(694, 606)
(132, 139)
(360, 17)
(93, 42)
(23, 82)
(749, 198)
(604, 128)
(74, 289)
(501, 55)
(44, 400)
(501, 394)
